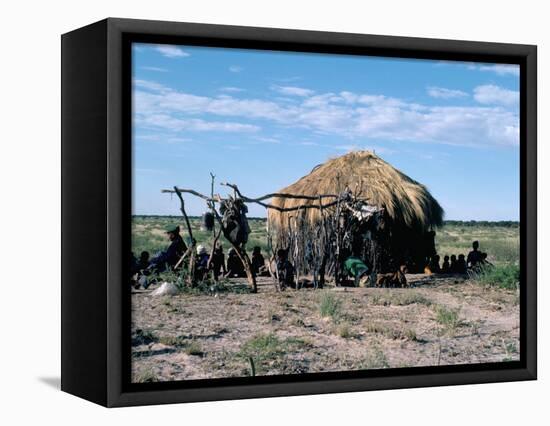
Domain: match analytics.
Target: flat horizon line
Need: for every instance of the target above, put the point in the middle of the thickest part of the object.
(265, 218)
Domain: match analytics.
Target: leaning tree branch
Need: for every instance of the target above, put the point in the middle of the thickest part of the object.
(285, 209)
(182, 208)
(259, 201)
(253, 200)
(190, 191)
(277, 195)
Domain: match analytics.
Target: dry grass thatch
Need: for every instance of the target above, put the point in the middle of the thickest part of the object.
(406, 201)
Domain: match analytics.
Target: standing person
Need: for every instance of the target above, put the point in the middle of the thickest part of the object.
(474, 257)
(169, 257)
(218, 262)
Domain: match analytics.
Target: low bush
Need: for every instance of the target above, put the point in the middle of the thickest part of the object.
(502, 276)
(330, 306)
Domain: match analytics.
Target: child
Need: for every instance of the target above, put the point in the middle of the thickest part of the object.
(284, 269)
(201, 265)
(461, 264)
(446, 268)
(453, 264)
(258, 261)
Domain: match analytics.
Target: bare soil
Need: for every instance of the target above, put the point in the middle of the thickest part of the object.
(441, 321)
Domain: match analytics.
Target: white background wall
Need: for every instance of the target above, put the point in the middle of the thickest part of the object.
(30, 199)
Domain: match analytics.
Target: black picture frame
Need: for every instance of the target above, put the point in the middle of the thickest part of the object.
(96, 167)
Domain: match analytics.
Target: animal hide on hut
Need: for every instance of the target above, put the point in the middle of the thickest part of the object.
(207, 221)
(234, 221)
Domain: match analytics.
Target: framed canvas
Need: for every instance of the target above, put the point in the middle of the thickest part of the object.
(255, 212)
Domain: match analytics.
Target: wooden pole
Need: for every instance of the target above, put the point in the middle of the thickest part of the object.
(191, 279)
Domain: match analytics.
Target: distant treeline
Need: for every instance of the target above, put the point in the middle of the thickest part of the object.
(498, 223)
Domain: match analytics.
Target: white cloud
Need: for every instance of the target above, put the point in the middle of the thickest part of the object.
(500, 69)
(443, 93)
(287, 79)
(154, 138)
(293, 91)
(495, 95)
(178, 140)
(162, 138)
(157, 69)
(171, 51)
(235, 68)
(168, 122)
(151, 86)
(346, 115)
(231, 89)
(267, 139)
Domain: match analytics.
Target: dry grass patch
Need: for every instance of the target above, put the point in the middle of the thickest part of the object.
(398, 298)
(330, 306)
(391, 332)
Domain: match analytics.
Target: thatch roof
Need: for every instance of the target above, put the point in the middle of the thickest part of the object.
(406, 201)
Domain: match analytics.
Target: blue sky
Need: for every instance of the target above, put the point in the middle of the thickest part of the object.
(264, 119)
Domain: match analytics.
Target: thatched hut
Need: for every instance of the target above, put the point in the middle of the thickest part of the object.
(406, 214)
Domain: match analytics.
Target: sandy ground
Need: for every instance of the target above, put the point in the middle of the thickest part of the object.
(441, 321)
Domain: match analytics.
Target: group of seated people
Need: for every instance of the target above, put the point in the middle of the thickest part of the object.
(169, 258)
(353, 267)
(461, 265)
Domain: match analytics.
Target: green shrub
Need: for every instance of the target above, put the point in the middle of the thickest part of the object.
(263, 351)
(330, 306)
(146, 376)
(502, 276)
(447, 317)
(374, 359)
(193, 348)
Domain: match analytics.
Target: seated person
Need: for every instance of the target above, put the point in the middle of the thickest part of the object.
(484, 260)
(482, 264)
(218, 262)
(453, 264)
(355, 268)
(285, 270)
(201, 263)
(169, 257)
(461, 264)
(446, 268)
(143, 261)
(235, 268)
(258, 262)
(474, 257)
(433, 265)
